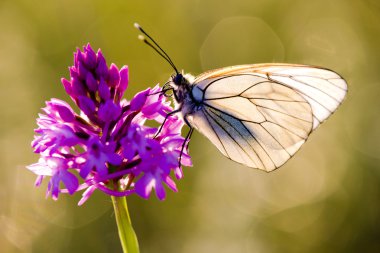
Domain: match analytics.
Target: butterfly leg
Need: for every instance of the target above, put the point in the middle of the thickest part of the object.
(163, 123)
(186, 141)
(166, 87)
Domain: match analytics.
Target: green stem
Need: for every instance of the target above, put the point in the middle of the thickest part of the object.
(127, 235)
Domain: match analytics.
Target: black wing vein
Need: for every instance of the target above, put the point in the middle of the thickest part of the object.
(225, 150)
(253, 149)
(282, 83)
(311, 86)
(250, 121)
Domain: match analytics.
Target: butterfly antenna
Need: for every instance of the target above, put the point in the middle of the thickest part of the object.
(155, 46)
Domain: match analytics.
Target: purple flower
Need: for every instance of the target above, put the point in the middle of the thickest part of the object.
(57, 168)
(156, 165)
(108, 141)
(97, 157)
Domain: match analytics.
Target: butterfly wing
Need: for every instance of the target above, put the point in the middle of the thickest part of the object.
(260, 115)
(322, 88)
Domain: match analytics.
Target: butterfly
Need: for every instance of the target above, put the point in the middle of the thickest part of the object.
(258, 115)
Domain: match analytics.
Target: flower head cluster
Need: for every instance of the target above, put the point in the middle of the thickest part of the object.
(107, 146)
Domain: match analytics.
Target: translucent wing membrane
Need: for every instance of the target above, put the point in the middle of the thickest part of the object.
(260, 115)
(323, 89)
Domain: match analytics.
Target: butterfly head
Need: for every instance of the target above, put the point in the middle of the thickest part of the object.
(181, 80)
(177, 79)
(181, 86)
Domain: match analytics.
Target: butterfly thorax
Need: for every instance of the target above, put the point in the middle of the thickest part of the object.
(183, 95)
(181, 87)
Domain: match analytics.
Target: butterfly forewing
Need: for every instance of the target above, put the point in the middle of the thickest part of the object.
(322, 88)
(260, 115)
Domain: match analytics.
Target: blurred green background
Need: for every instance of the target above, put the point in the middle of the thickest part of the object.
(326, 199)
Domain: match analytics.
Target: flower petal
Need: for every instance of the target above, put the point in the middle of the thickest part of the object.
(101, 69)
(40, 169)
(124, 79)
(109, 111)
(90, 57)
(86, 168)
(70, 181)
(86, 105)
(144, 185)
(114, 159)
(104, 90)
(91, 82)
(86, 194)
(113, 76)
(160, 191)
(139, 99)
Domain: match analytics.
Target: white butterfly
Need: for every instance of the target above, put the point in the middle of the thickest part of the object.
(258, 115)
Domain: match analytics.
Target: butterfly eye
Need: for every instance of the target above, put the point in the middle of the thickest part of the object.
(177, 79)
